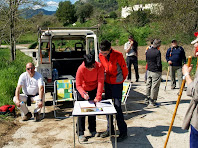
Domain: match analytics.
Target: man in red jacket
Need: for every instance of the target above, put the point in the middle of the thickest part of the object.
(115, 73)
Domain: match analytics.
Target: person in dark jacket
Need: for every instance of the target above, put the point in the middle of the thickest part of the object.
(153, 58)
(175, 55)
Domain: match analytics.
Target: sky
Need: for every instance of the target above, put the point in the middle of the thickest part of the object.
(52, 5)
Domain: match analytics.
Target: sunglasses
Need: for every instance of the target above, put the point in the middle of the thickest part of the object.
(30, 68)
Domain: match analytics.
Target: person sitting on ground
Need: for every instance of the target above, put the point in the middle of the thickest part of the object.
(89, 84)
(32, 86)
(153, 58)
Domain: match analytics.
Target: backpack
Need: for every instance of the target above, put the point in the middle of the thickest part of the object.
(7, 109)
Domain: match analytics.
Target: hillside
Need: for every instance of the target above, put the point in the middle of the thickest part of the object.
(30, 13)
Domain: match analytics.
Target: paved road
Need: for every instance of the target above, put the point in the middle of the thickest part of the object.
(147, 128)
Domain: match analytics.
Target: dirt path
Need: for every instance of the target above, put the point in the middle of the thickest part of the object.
(147, 128)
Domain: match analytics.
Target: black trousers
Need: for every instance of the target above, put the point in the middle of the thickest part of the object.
(115, 91)
(91, 119)
(132, 60)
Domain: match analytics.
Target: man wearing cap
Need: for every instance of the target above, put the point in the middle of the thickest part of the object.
(153, 58)
(131, 48)
(191, 117)
(175, 55)
(195, 42)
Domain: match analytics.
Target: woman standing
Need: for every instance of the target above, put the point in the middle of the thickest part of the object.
(89, 83)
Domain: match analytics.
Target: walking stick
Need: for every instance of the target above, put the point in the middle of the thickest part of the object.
(167, 78)
(177, 104)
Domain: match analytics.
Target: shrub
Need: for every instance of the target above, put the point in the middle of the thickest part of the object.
(113, 15)
(9, 73)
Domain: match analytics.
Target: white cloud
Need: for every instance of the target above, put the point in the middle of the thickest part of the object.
(52, 3)
(36, 7)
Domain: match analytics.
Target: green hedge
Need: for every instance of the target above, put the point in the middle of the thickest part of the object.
(9, 74)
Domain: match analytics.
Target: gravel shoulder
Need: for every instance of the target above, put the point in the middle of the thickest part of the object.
(146, 127)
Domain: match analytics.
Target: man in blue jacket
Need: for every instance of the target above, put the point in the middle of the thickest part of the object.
(175, 55)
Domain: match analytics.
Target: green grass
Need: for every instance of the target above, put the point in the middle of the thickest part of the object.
(194, 62)
(165, 65)
(142, 62)
(9, 74)
(28, 38)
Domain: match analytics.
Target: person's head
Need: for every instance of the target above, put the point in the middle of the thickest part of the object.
(105, 47)
(156, 43)
(30, 68)
(89, 60)
(174, 43)
(130, 38)
(151, 41)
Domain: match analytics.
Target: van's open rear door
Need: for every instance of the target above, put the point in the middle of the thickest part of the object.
(92, 45)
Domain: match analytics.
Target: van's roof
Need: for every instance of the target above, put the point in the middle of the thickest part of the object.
(67, 32)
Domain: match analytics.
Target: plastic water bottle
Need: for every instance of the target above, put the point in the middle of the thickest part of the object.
(23, 108)
(55, 74)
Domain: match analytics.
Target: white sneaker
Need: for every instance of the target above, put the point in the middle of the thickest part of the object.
(82, 138)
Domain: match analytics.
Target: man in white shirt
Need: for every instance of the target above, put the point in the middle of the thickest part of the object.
(131, 48)
(32, 86)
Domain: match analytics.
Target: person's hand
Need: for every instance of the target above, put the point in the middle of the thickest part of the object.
(40, 104)
(96, 100)
(169, 62)
(17, 102)
(186, 69)
(86, 96)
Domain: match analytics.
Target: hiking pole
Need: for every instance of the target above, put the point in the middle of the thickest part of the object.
(167, 78)
(177, 104)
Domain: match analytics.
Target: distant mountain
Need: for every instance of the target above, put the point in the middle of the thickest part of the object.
(30, 13)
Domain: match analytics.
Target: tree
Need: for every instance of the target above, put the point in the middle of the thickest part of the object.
(179, 18)
(113, 15)
(84, 11)
(11, 20)
(66, 13)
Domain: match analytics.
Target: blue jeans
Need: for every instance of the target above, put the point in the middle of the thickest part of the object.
(193, 138)
(115, 91)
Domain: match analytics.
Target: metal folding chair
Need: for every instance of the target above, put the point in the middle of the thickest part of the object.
(64, 90)
(125, 93)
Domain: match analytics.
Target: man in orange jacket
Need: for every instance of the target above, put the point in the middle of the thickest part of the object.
(115, 73)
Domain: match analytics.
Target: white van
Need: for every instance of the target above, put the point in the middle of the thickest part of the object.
(61, 52)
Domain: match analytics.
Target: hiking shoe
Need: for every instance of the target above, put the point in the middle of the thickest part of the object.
(106, 134)
(37, 117)
(94, 134)
(27, 116)
(122, 137)
(172, 87)
(152, 105)
(82, 138)
(146, 101)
